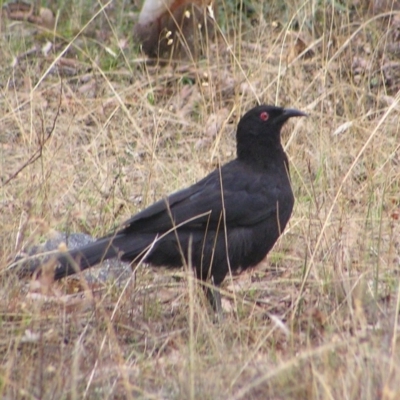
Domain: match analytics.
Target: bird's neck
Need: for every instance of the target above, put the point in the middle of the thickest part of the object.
(263, 157)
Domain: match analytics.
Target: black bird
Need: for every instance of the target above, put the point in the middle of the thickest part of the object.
(229, 220)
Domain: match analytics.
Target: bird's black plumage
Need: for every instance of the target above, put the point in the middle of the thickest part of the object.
(228, 220)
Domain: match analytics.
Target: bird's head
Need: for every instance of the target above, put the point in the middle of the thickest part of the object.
(259, 129)
(262, 120)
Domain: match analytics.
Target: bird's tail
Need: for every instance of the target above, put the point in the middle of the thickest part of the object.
(76, 260)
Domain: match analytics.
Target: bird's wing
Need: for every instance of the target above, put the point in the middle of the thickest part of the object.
(243, 201)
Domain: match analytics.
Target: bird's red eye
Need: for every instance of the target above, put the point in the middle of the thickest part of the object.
(264, 116)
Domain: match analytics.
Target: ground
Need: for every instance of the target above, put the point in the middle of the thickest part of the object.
(91, 133)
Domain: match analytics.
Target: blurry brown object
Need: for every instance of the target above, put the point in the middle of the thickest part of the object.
(174, 28)
(298, 45)
(31, 12)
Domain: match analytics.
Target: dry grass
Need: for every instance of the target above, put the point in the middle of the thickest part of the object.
(318, 319)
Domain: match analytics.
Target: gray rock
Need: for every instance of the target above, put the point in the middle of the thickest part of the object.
(30, 259)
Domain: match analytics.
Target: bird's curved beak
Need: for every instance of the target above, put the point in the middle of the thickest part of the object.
(292, 112)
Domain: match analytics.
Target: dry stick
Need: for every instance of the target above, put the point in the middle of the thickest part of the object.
(226, 243)
(327, 219)
(42, 141)
(192, 339)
